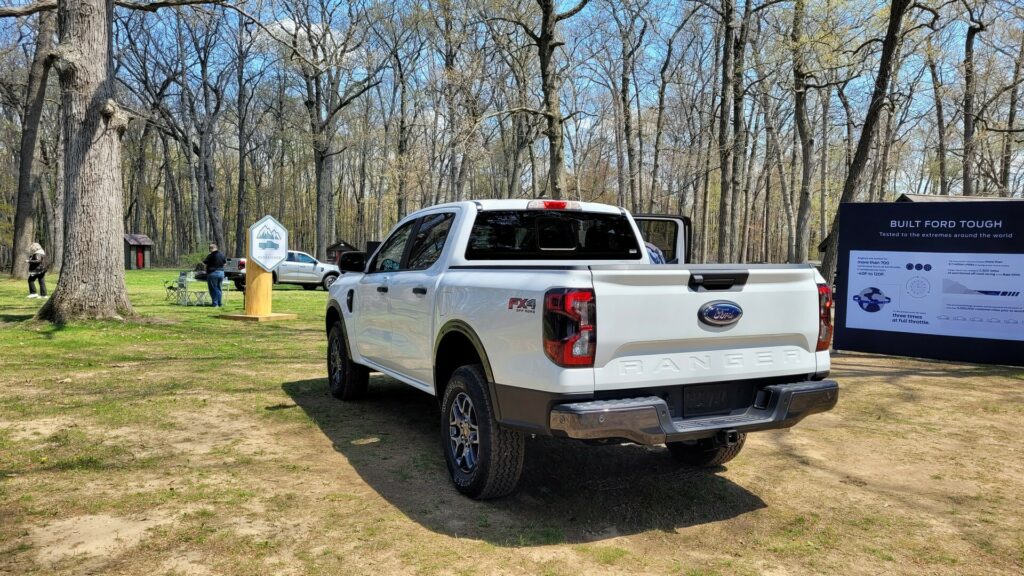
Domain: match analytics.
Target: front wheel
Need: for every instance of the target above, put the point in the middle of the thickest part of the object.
(705, 453)
(346, 380)
(484, 460)
(328, 280)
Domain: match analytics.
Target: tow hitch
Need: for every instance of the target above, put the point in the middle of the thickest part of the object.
(727, 437)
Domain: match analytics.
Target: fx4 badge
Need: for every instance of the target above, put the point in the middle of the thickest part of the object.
(523, 305)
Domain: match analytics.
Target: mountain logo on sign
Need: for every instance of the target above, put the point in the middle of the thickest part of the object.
(268, 235)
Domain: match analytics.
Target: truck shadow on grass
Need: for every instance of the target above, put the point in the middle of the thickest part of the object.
(569, 493)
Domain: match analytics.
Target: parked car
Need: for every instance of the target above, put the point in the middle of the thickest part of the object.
(299, 268)
(546, 317)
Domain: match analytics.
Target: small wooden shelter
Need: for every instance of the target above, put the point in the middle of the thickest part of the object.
(334, 251)
(138, 249)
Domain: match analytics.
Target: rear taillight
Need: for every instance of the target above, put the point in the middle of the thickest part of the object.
(824, 317)
(570, 327)
(241, 264)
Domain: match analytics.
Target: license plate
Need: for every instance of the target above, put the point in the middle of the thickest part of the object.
(700, 400)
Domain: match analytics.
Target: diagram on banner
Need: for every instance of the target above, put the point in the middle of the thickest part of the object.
(943, 294)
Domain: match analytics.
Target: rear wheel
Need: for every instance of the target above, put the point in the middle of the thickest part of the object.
(484, 460)
(239, 284)
(705, 453)
(346, 380)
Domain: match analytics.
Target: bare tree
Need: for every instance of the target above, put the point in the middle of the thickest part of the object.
(30, 169)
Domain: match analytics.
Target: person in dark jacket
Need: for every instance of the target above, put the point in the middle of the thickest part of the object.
(38, 264)
(215, 275)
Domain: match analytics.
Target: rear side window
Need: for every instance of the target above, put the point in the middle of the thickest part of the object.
(551, 235)
(429, 241)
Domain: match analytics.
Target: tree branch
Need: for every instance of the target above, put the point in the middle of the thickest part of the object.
(572, 11)
(43, 5)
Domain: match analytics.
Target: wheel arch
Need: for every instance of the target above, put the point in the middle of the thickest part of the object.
(457, 344)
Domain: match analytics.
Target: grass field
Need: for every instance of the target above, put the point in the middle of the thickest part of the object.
(185, 444)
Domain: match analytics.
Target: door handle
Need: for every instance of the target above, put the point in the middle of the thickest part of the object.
(419, 290)
(382, 289)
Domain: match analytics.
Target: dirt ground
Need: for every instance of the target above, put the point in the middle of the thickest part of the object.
(159, 467)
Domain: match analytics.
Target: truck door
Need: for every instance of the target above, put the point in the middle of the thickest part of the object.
(286, 270)
(671, 234)
(305, 269)
(412, 292)
(372, 304)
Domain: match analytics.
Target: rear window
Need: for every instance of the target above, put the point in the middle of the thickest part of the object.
(551, 235)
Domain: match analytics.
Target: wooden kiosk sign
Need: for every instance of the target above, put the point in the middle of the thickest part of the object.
(267, 247)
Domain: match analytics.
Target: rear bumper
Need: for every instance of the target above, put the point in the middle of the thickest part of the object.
(647, 420)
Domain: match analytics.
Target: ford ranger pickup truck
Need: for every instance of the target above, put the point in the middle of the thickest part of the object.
(545, 317)
(299, 268)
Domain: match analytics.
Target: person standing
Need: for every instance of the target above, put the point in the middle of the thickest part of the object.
(215, 275)
(38, 264)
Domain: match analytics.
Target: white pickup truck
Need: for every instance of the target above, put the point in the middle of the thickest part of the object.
(298, 268)
(546, 317)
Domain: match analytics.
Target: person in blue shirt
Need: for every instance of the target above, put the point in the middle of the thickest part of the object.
(655, 254)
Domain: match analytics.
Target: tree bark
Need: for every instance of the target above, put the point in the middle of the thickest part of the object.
(973, 30)
(897, 11)
(803, 218)
(826, 101)
(1011, 124)
(724, 146)
(30, 168)
(739, 129)
(91, 284)
(940, 125)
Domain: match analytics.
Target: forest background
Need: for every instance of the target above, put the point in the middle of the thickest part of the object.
(340, 117)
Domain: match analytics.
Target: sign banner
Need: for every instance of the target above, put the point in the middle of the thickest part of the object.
(268, 243)
(933, 280)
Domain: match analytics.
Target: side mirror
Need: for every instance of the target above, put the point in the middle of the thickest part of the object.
(352, 261)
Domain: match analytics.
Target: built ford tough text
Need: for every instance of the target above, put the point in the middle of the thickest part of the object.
(546, 317)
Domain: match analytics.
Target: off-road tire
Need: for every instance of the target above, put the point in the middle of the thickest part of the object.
(327, 281)
(346, 380)
(499, 463)
(705, 453)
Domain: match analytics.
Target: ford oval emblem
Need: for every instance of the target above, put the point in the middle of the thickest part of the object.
(720, 313)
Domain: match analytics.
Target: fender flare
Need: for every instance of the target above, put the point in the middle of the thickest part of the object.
(332, 305)
(466, 330)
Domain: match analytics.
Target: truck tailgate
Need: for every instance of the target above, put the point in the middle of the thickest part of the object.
(649, 334)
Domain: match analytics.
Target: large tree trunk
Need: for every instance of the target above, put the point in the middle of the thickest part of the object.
(91, 284)
(57, 214)
(724, 147)
(973, 30)
(897, 11)
(401, 201)
(627, 121)
(242, 104)
(940, 126)
(214, 205)
(826, 101)
(1011, 125)
(30, 168)
(323, 163)
(739, 130)
(803, 218)
(552, 108)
